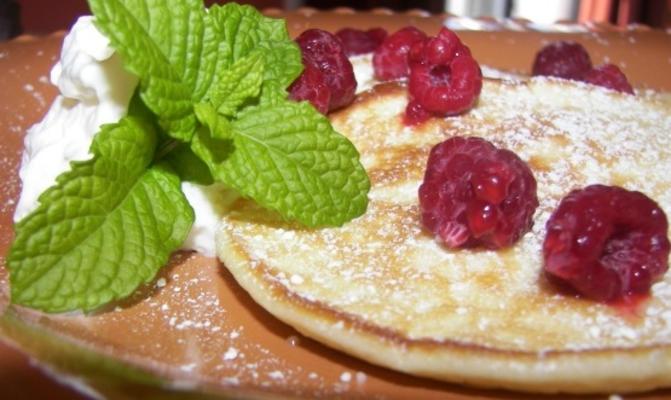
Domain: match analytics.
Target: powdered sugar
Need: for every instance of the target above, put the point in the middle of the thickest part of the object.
(231, 354)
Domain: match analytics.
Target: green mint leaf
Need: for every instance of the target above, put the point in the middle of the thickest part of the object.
(283, 62)
(288, 158)
(212, 151)
(106, 227)
(219, 126)
(272, 94)
(188, 165)
(244, 30)
(238, 84)
(176, 154)
(171, 47)
(207, 71)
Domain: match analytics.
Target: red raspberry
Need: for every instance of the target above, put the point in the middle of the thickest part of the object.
(390, 60)
(446, 89)
(606, 242)
(356, 41)
(444, 77)
(474, 194)
(324, 51)
(415, 113)
(311, 86)
(609, 76)
(378, 35)
(437, 50)
(568, 60)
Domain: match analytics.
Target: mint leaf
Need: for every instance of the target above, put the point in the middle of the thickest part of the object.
(243, 30)
(171, 47)
(283, 62)
(106, 227)
(211, 150)
(288, 158)
(188, 165)
(238, 84)
(219, 126)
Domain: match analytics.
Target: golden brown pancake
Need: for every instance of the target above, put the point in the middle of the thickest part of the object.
(381, 288)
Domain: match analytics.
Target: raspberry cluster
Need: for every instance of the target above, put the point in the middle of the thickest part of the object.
(443, 77)
(604, 242)
(390, 60)
(570, 60)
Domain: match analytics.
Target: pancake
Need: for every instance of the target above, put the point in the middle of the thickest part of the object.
(381, 288)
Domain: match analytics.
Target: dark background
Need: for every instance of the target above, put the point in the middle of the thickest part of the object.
(45, 16)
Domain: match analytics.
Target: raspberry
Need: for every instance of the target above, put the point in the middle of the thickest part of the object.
(415, 113)
(606, 242)
(609, 76)
(311, 86)
(356, 41)
(437, 50)
(568, 60)
(446, 89)
(444, 77)
(324, 51)
(390, 60)
(378, 35)
(474, 194)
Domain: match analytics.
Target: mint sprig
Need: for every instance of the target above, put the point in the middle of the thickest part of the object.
(213, 87)
(106, 227)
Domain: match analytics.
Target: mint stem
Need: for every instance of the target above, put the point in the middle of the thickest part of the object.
(165, 149)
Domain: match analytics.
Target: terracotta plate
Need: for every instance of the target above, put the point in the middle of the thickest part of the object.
(194, 330)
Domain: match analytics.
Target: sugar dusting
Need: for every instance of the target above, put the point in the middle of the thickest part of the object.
(37, 95)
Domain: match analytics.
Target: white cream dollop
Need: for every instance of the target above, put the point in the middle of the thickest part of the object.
(209, 205)
(94, 90)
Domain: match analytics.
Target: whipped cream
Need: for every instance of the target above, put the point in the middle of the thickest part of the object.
(209, 205)
(94, 90)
